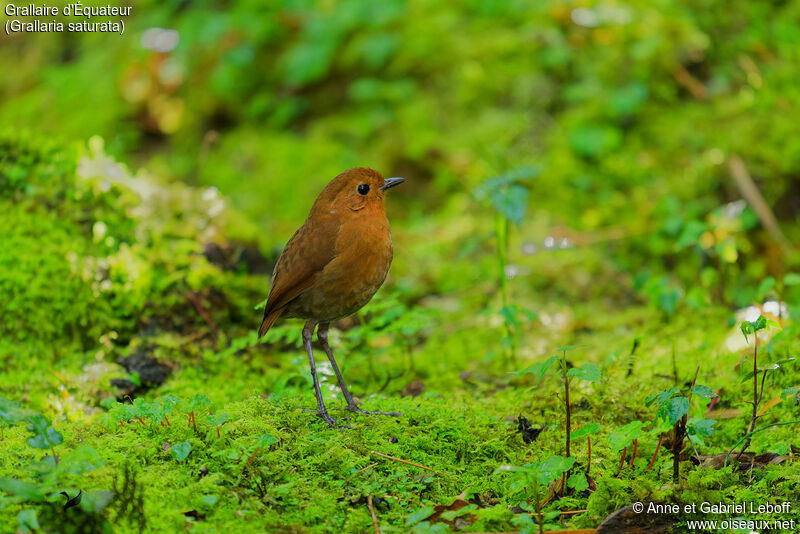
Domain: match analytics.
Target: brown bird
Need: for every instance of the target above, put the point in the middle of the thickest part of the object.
(333, 265)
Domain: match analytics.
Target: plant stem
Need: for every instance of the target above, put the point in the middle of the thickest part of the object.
(568, 411)
(756, 398)
(589, 460)
(501, 232)
(635, 450)
(622, 462)
(653, 460)
(539, 517)
(747, 436)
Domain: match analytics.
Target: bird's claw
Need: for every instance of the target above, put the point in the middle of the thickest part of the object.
(328, 419)
(355, 409)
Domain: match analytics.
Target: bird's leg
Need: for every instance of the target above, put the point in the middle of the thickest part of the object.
(308, 331)
(322, 336)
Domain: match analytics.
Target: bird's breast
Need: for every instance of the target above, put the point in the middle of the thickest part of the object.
(363, 254)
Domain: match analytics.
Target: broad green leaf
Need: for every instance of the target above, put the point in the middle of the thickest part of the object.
(538, 369)
(697, 429)
(765, 285)
(673, 410)
(180, 451)
(704, 392)
(577, 481)
(28, 521)
(660, 398)
(29, 492)
(265, 440)
(585, 430)
(791, 279)
(588, 371)
(624, 436)
(44, 436)
(552, 468)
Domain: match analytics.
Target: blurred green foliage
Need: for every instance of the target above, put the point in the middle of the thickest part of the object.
(604, 131)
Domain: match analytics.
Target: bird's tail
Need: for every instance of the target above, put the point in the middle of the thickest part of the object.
(269, 319)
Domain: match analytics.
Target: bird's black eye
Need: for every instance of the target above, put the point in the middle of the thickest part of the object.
(363, 189)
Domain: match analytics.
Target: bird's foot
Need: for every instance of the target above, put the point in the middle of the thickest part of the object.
(328, 419)
(355, 409)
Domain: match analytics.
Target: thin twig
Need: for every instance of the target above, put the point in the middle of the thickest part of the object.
(376, 453)
(372, 512)
(370, 466)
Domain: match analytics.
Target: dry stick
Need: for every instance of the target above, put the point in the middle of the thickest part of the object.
(372, 512)
(660, 439)
(370, 466)
(622, 462)
(752, 195)
(376, 453)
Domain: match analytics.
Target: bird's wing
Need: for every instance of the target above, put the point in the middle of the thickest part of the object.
(308, 252)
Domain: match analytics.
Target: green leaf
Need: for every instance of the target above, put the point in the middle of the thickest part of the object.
(624, 436)
(791, 279)
(44, 436)
(585, 430)
(765, 285)
(703, 392)
(28, 521)
(11, 412)
(539, 368)
(418, 516)
(180, 451)
(577, 481)
(217, 419)
(265, 440)
(29, 492)
(198, 401)
(697, 429)
(673, 410)
(662, 397)
(551, 469)
(588, 371)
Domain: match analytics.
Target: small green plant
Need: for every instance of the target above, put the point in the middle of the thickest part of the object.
(588, 372)
(508, 196)
(673, 412)
(752, 328)
(536, 477)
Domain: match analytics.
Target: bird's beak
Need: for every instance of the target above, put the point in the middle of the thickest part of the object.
(391, 182)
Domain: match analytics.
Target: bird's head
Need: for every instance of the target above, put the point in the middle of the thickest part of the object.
(354, 190)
